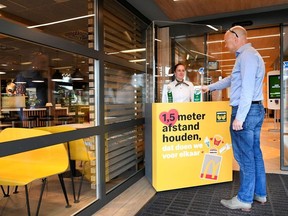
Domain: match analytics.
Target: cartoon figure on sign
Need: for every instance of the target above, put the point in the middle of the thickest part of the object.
(211, 167)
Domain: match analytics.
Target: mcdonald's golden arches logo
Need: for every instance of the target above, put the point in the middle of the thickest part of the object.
(221, 116)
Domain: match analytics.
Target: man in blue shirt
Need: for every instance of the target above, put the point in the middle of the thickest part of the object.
(245, 81)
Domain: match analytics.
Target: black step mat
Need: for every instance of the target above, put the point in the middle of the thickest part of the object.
(205, 200)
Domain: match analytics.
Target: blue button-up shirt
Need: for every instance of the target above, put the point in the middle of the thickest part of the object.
(246, 80)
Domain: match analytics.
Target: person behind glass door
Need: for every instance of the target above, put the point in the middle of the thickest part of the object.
(11, 88)
(246, 82)
(182, 90)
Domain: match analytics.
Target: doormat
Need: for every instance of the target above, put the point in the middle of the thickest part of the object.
(205, 200)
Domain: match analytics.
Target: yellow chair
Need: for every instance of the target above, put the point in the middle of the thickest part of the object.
(77, 151)
(23, 168)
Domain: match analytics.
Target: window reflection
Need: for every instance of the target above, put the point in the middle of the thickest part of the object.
(124, 93)
(66, 19)
(30, 94)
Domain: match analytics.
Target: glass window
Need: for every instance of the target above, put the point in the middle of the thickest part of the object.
(124, 155)
(284, 147)
(175, 43)
(124, 93)
(124, 33)
(72, 20)
(42, 86)
(79, 180)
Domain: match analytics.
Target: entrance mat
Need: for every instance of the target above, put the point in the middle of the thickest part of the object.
(205, 200)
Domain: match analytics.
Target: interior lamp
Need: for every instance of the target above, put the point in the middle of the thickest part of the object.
(77, 75)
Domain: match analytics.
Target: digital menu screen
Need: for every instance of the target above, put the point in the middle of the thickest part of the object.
(274, 86)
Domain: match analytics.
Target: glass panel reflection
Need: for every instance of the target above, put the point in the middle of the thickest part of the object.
(42, 86)
(124, 93)
(284, 147)
(79, 179)
(123, 33)
(124, 155)
(66, 19)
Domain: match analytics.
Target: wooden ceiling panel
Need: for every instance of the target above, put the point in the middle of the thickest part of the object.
(182, 9)
(265, 40)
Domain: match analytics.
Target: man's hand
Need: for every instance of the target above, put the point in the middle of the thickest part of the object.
(204, 88)
(237, 125)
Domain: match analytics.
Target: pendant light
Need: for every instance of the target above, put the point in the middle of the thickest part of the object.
(77, 75)
(37, 77)
(57, 76)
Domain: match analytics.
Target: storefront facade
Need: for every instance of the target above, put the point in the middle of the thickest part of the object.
(78, 68)
(88, 72)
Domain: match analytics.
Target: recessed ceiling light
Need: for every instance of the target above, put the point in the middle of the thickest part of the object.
(26, 63)
(2, 6)
(56, 59)
(61, 1)
(137, 60)
(61, 21)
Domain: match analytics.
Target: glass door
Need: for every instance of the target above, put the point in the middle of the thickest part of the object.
(284, 100)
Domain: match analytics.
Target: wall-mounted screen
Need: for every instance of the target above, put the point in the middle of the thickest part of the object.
(274, 86)
(213, 65)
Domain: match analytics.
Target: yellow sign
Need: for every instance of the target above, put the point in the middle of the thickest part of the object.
(191, 144)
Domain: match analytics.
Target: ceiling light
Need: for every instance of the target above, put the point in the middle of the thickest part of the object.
(112, 53)
(128, 51)
(61, 21)
(218, 53)
(249, 38)
(57, 76)
(63, 68)
(20, 79)
(194, 51)
(137, 60)
(37, 77)
(61, 1)
(223, 60)
(133, 50)
(225, 52)
(56, 59)
(77, 75)
(226, 66)
(263, 36)
(212, 27)
(26, 63)
(266, 48)
(2, 6)
(37, 81)
(2, 72)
